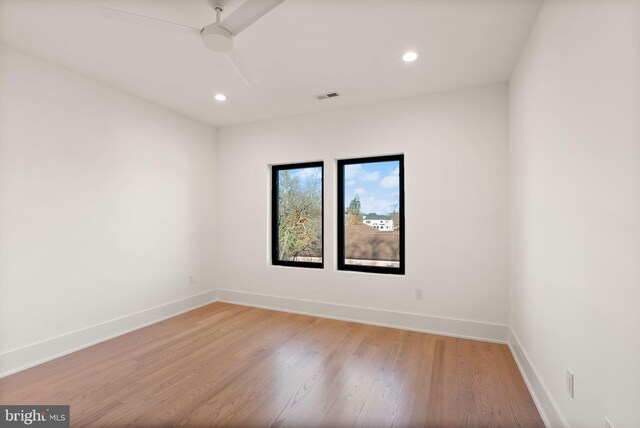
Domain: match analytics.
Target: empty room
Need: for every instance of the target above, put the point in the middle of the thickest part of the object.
(332, 213)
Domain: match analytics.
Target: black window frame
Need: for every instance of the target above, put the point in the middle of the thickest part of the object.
(275, 259)
(342, 266)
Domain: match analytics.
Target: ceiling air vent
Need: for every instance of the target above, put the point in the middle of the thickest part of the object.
(325, 96)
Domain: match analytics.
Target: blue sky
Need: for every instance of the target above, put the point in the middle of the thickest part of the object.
(377, 184)
(304, 174)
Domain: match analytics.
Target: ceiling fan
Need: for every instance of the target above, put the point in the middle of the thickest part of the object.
(217, 36)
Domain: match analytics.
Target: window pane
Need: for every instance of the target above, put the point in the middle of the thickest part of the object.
(372, 218)
(298, 215)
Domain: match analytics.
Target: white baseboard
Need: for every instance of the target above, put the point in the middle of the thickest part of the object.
(547, 407)
(407, 321)
(28, 356)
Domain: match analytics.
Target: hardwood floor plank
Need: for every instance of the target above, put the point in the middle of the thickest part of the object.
(230, 365)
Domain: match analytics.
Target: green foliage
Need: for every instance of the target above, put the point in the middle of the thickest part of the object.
(354, 216)
(300, 216)
(354, 206)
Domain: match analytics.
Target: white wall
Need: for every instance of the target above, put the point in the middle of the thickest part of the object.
(106, 203)
(455, 147)
(575, 197)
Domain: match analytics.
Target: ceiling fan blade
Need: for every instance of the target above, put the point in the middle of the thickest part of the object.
(134, 18)
(241, 67)
(248, 13)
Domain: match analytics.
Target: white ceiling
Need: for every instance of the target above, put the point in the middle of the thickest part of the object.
(301, 48)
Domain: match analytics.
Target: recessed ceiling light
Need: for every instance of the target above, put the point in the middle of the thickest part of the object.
(220, 97)
(410, 56)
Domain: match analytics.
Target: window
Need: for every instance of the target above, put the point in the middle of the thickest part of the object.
(297, 215)
(371, 214)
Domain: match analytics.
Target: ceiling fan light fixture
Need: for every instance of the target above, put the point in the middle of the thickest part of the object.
(217, 38)
(410, 56)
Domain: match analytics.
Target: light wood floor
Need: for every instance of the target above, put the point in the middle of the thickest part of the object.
(229, 365)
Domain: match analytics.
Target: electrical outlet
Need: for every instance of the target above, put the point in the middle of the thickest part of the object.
(570, 383)
(607, 423)
(192, 280)
(419, 293)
